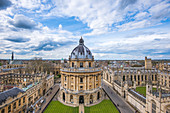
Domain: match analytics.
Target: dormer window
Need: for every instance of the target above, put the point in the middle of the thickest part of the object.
(72, 64)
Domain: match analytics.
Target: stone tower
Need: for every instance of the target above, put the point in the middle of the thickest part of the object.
(12, 57)
(148, 63)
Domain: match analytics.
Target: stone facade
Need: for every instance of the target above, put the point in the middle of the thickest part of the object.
(125, 81)
(30, 96)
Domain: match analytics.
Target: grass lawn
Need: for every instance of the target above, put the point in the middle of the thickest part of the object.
(106, 106)
(57, 107)
(142, 90)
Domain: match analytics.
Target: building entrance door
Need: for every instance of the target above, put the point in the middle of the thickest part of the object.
(81, 99)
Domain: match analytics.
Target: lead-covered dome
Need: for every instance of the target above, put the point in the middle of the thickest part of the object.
(81, 51)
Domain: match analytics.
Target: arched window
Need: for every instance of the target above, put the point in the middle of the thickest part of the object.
(14, 105)
(142, 77)
(153, 107)
(145, 77)
(9, 108)
(81, 80)
(3, 111)
(91, 99)
(155, 77)
(72, 64)
(81, 64)
(138, 78)
(63, 96)
(98, 95)
(65, 78)
(71, 98)
(135, 77)
(96, 77)
(123, 78)
(89, 64)
(167, 109)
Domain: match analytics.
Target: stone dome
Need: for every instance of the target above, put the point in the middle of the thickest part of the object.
(81, 51)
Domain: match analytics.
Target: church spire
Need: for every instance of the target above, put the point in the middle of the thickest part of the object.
(12, 57)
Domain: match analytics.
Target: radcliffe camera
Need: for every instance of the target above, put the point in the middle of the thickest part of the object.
(84, 56)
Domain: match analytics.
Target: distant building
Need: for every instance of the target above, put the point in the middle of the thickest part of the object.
(148, 63)
(125, 81)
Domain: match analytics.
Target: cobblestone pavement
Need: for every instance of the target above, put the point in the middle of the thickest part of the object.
(49, 97)
(118, 100)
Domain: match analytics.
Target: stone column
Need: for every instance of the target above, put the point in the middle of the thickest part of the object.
(77, 83)
(88, 82)
(94, 81)
(69, 87)
(67, 80)
(62, 80)
(85, 82)
(74, 82)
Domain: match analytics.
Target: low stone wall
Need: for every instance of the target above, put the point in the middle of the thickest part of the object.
(117, 87)
(136, 102)
(133, 99)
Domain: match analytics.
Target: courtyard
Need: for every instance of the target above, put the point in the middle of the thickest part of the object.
(57, 107)
(106, 106)
(142, 90)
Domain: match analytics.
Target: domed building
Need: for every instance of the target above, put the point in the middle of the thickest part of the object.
(81, 80)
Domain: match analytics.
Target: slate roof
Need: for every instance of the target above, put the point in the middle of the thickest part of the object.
(10, 93)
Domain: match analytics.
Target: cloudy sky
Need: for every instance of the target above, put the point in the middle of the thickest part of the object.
(111, 29)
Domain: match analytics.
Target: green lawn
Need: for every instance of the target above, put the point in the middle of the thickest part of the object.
(57, 107)
(106, 106)
(142, 90)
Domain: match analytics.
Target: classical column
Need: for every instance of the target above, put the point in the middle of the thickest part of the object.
(94, 82)
(62, 80)
(88, 82)
(67, 81)
(85, 82)
(77, 83)
(74, 82)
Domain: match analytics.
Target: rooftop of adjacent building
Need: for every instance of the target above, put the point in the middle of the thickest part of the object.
(10, 93)
(29, 86)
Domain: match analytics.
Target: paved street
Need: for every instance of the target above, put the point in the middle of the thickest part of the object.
(50, 96)
(81, 108)
(123, 106)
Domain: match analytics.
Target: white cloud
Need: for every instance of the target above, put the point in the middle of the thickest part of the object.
(60, 27)
(133, 25)
(101, 17)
